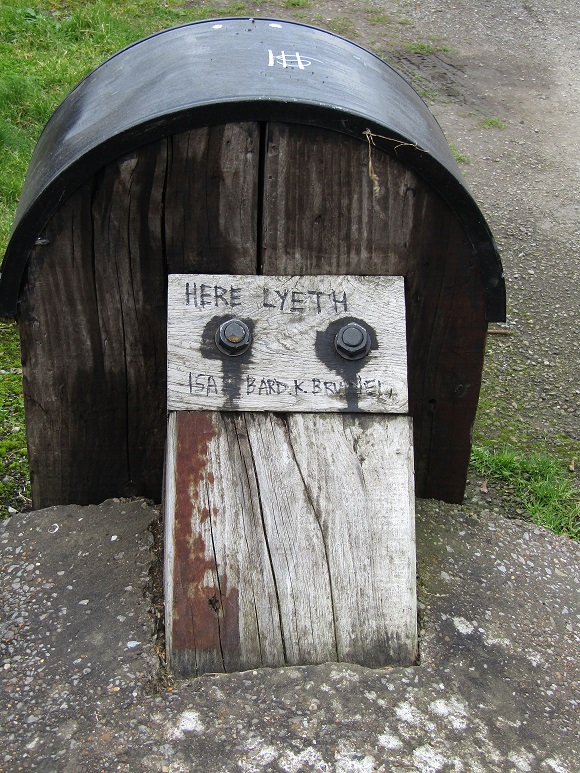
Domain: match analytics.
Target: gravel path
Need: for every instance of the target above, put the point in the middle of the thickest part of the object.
(518, 61)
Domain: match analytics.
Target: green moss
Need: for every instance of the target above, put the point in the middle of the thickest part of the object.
(342, 25)
(14, 487)
(424, 49)
(491, 123)
(540, 481)
(459, 156)
(375, 17)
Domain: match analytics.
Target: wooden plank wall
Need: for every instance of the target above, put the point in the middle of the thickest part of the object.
(92, 313)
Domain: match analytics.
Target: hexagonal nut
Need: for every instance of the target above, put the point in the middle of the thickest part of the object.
(233, 337)
(352, 341)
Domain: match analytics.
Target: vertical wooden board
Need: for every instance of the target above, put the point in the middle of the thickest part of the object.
(358, 473)
(220, 590)
(327, 211)
(289, 541)
(211, 199)
(192, 567)
(69, 420)
(295, 543)
(93, 311)
(130, 281)
(245, 558)
(322, 212)
(96, 299)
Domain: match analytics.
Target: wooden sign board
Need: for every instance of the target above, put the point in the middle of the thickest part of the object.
(292, 363)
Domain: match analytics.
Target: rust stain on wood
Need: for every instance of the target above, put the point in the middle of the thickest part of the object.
(205, 614)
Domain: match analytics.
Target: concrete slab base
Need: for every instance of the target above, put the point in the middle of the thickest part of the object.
(496, 689)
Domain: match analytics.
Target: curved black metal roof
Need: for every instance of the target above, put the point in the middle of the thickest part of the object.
(232, 70)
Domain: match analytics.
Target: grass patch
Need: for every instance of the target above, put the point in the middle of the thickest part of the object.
(491, 123)
(375, 17)
(428, 94)
(541, 482)
(461, 158)
(297, 3)
(427, 49)
(506, 408)
(424, 49)
(46, 48)
(14, 485)
(341, 25)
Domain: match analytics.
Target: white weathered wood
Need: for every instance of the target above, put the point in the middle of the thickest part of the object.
(292, 364)
(294, 540)
(358, 473)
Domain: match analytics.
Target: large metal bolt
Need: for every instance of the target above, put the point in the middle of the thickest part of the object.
(352, 342)
(233, 337)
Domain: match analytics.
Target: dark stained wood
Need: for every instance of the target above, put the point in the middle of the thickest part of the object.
(69, 424)
(211, 200)
(93, 311)
(324, 214)
(129, 275)
(289, 541)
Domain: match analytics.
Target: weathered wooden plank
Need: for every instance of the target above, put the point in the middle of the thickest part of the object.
(327, 210)
(129, 277)
(290, 540)
(66, 422)
(91, 393)
(211, 200)
(291, 363)
(358, 474)
(93, 312)
(245, 615)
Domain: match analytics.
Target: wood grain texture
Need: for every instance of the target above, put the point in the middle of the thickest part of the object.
(293, 540)
(292, 363)
(211, 200)
(93, 312)
(327, 211)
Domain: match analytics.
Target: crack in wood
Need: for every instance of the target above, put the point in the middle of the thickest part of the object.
(262, 155)
(216, 604)
(285, 419)
(231, 421)
(244, 418)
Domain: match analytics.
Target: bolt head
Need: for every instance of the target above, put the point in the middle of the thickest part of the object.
(233, 337)
(352, 342)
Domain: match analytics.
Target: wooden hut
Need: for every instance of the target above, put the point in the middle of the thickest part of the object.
(237, 146)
